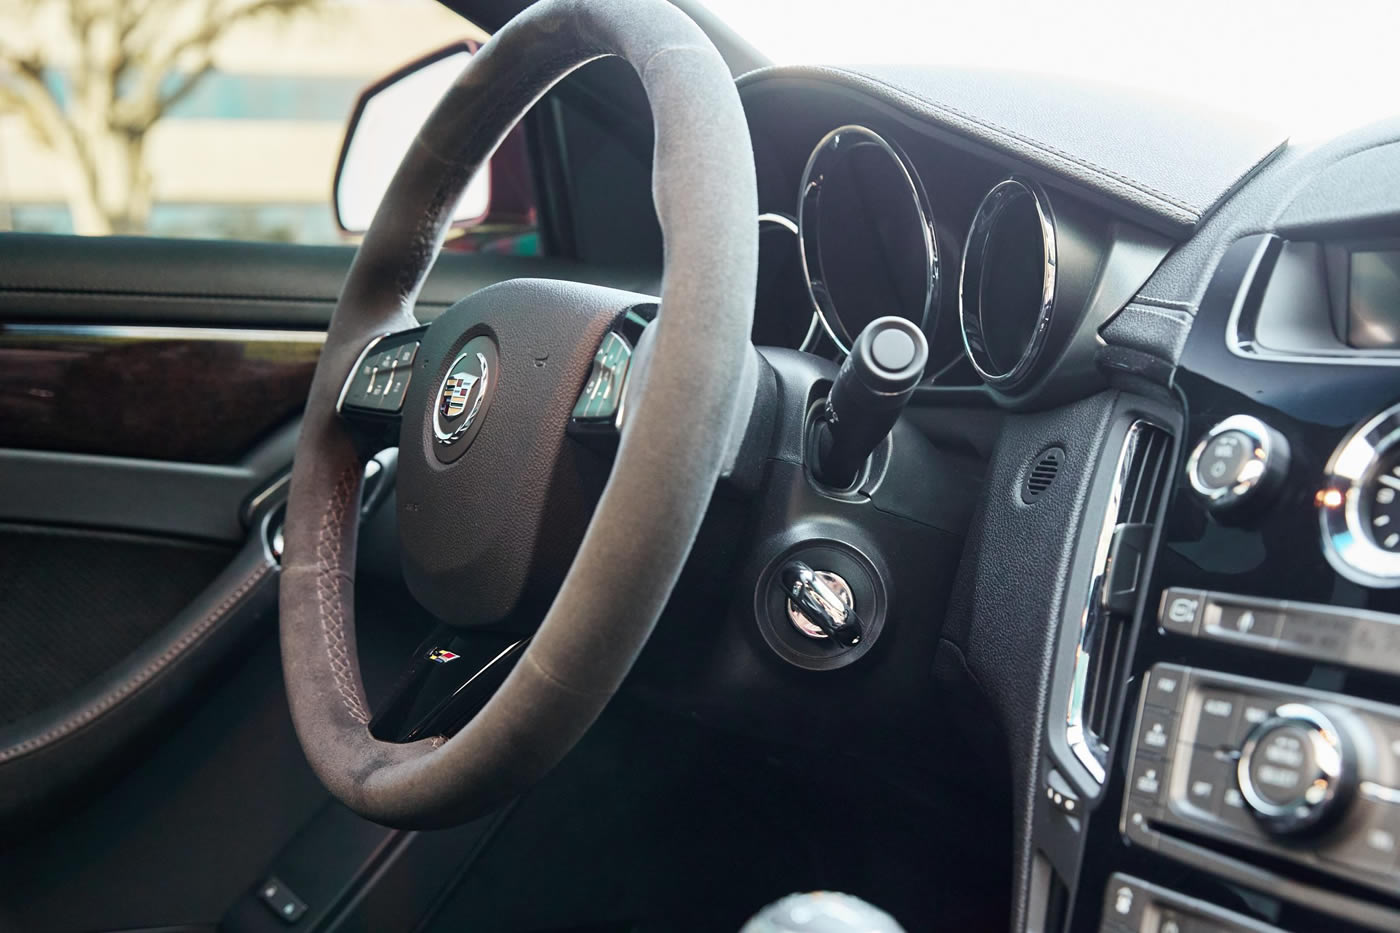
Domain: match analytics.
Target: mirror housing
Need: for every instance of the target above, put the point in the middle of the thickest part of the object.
(386, 118)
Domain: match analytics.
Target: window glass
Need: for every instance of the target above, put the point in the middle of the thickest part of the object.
(204, 118)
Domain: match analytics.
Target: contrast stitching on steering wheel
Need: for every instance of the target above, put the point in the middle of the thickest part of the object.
(329, 593)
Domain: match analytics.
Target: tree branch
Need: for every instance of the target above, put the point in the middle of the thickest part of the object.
(43, 111)
(146, 103)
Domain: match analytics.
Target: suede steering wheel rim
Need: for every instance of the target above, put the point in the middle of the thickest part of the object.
(681, 408)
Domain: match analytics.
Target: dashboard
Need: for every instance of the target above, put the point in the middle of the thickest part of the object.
(1008, 272)
(1178, 594)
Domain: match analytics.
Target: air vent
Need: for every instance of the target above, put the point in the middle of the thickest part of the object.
(1119, 570)
(1042, 474)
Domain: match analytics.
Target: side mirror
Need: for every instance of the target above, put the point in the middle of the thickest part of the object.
(386, 118)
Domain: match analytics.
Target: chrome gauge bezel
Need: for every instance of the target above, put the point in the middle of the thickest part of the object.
(970, 319)
(843, 139)
(784, 222)
(1346, 540)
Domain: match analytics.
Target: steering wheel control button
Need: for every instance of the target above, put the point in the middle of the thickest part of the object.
(1296, 770)
(1240, 462)
(379, 382)
(601, 398)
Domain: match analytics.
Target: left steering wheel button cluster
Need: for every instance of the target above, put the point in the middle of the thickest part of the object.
(380, 379)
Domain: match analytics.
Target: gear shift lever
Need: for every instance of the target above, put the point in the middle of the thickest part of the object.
(885, 365)
(822, 912)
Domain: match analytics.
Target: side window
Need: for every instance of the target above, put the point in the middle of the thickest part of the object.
(211, 118)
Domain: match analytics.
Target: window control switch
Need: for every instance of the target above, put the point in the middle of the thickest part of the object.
(281, 901)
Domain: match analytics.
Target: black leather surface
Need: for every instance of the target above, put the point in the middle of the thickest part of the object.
(1302, 186)
(1011, 588)
(1170, 162)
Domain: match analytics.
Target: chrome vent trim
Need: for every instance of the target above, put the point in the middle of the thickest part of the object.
(1139, 485)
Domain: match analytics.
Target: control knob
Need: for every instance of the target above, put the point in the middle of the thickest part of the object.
(1297, 771)
(1241, 462)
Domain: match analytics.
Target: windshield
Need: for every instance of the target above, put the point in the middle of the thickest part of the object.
(1310, 68)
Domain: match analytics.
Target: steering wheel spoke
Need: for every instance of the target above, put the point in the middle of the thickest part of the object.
(446, 684)
(371, 400)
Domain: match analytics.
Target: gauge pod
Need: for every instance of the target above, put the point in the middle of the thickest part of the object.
(1359, 503)
(866, 235)
(1006, 296)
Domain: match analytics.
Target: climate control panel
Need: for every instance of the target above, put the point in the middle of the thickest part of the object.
(1267, 767)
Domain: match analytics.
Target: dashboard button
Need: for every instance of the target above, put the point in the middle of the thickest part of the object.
(1374, 845)
(1166, 685)
(1316, 634)
(1180, 610)
(1156, 731)
(1218, 723)
(1125, 904)
(1207, 776)
(1148, 781)
(1234, 811)
(1247, 624)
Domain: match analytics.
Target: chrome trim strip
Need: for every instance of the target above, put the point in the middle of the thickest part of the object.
(1248, 349)
(983, 220)
(153, 332)
(781, 220)
(1087, 748)
(1348, 545)
(787, 223)
(921, 206)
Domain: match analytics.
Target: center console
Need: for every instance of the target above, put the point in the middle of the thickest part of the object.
(1246, 772)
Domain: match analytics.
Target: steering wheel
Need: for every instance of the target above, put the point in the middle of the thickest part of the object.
(471, 507)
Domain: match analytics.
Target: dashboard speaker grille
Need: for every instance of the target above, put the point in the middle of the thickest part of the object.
(1042, 474)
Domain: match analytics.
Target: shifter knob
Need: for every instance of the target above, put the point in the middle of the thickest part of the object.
(874, 384)
(822, 912)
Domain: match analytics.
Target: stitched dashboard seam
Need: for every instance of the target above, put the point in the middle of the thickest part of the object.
(150, 670)
(330, 601)
(913, 102)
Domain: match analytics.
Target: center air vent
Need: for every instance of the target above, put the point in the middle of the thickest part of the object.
(1120, 558)
(1042, 473)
